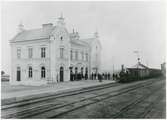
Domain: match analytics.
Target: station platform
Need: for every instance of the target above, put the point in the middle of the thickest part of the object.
(20, 91)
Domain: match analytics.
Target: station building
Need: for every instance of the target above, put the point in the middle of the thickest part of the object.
(53, 54)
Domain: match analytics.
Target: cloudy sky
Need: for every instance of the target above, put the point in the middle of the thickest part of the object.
(123, 27)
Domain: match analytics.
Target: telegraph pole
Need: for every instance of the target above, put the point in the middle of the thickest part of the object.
(138, 61)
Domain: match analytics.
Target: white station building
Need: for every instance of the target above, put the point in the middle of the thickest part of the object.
(52, 54)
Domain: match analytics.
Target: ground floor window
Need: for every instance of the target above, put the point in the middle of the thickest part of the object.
(18, 74)
(43, 72)
(30, 72)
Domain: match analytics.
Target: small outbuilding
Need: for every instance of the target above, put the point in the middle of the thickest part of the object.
(139, 70)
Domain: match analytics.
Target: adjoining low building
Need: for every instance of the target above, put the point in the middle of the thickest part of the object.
(139, 70)
(52, 54)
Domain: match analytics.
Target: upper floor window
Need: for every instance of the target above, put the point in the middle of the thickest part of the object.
(71, 56)
(61, 52)
(43, 52)
(30, 52)
(86, 56)
(30, 72)
(18, 52)
(76, 55)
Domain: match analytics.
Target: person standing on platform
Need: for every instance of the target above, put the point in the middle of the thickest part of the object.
(99, 77)
(113, 76)
(108, 76)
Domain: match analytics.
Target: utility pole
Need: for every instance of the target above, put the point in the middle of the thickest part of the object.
(138, 57)
(113, 68)
(138, 61)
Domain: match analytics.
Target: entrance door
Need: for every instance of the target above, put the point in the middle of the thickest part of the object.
(71, 74)
(18, 74)
(61, 74)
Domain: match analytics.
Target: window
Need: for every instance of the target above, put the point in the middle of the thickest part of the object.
(43, 72)
(18, 78)
(76, 55)
(61, 38)
(43, 50)
(71, 56)
(30, 72)
(30, 52)
(86, 56)
(61, 52)
(18, 52)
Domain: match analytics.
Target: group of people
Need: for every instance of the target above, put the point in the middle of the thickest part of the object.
(78, 76)
(93, 76)
(115, 76)
(103, 76)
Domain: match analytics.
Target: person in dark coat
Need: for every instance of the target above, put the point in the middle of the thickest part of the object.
(109, 76)
(92, 76)
(86, 76)
(113, 76)
(103, 76)
(116, 77)
(99, 77)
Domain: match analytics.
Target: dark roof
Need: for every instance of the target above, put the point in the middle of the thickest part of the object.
(44, 33)
(40, 33)
(139, 66)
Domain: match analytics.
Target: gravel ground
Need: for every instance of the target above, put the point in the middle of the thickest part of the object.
(152, 106)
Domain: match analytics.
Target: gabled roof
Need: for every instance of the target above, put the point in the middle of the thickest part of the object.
(88, 40)
(41, 33)
(139, 66)
(44, 33)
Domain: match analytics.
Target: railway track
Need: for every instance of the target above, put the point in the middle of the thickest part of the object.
(54, 96)
(133, 104)
(54, 109)
(151, 105)
(123, 110)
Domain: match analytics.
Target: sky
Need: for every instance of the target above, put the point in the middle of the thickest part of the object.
(123, 27)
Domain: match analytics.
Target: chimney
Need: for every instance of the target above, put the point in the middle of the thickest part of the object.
(48, 25)
(20, 28)
(122, 67)
(60, 21)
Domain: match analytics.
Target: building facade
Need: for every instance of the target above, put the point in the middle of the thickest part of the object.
(52, 54)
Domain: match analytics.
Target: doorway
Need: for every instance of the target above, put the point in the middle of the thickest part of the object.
(61, 74)
(18, 74)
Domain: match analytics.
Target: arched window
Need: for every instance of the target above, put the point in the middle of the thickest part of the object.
(43, 72)
(30, 72)
(61, 38)
(86, 70)
(18, 69)
(76, 69)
